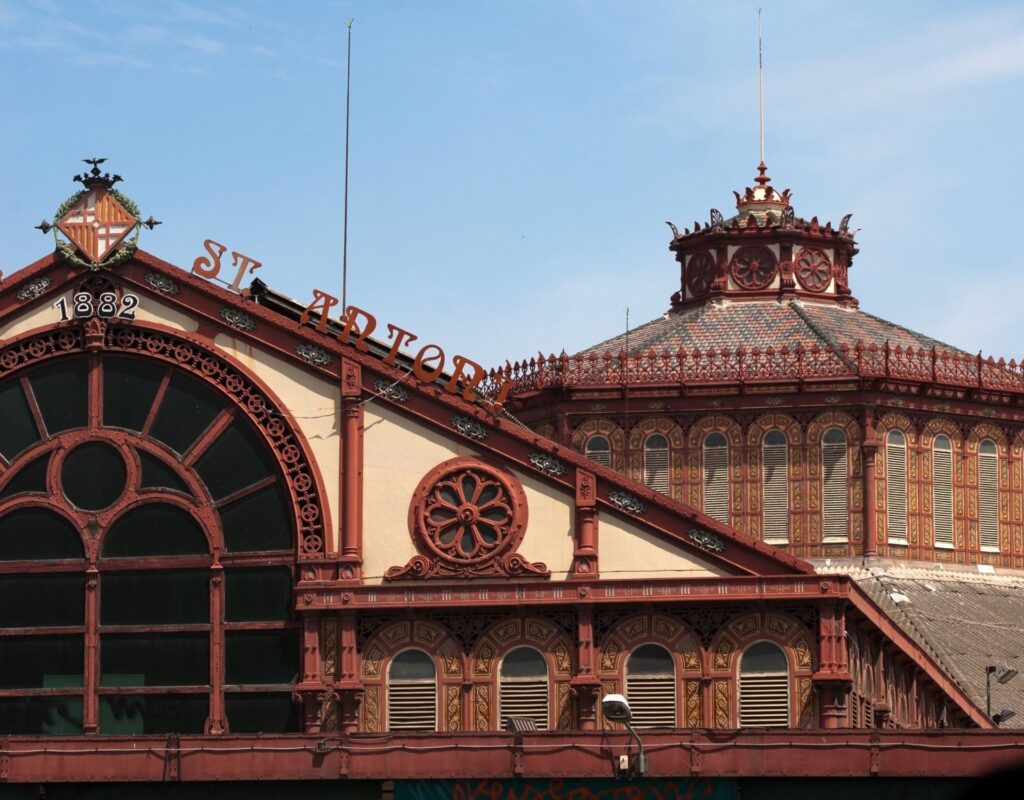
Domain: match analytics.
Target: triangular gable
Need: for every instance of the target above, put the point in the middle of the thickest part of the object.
(26, 301)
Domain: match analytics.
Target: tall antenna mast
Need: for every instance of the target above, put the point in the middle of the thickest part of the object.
(344, 246)
(760, 80)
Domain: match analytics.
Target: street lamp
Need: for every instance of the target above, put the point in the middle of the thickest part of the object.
(1003, 674)
(616, 709)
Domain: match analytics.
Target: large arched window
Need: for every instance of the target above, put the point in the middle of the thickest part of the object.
(942, 490)
(651, 687)
(716, 477)
(988, 495)
(412, 692)
(775, 474)
(896, 487)
(599, 449)
(835, 474)
(523, 687)
(146, 551)
(656, 463)
(764, 687)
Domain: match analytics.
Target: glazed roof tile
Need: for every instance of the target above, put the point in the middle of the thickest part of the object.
(967, 620)
(763, 324)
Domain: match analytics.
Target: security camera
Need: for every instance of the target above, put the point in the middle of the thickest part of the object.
(616, 708)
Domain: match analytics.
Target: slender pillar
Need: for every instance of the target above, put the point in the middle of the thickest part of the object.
(585, 562)
(585, 685)
(869, 451)
(832, 680)
(216, 723)
(351, 471)
(90, 705)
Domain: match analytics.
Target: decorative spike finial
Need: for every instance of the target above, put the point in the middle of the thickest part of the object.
(94, 177)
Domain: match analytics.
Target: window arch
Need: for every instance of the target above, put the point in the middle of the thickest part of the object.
(716, 476)
(896, 487)
(835, 479)
(764, 687)
(942, 491)
(599, 450)
(139, 495)
(775, 487)
(412, 692)
(523, 687)
(651, 686)
(656, 462)
(988, 495)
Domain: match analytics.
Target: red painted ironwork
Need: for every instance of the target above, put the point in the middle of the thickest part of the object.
(715, 366)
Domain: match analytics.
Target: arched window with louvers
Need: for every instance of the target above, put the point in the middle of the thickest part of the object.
(716, 476)
(523, 687)
(988, 496)
(651, 687)
(656, 463)
(942, 491)
(412, 692)
(764, 687)
(835, 480)
(599, 450)
(775, 487)
(896, 487)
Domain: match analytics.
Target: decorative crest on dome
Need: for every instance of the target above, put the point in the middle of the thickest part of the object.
(100, 225)
(763, 201)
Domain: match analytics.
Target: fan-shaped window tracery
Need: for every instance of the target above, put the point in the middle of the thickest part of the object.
(145, 495)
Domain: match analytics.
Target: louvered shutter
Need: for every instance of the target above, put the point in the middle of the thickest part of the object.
(775, 469)
(835, 493)
(656, 464)
(988, 501)
(896, 490)
(716, 483)
(942, 494)
(524, 697)
(652, 700)
(598, 449)
(764, 700)
(412, 706)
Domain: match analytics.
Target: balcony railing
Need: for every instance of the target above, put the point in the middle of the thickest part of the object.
(754, 365)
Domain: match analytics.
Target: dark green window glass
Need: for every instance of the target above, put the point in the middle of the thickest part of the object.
(187, 410)
(41, 662)
(93, 476)
(237, 459)
(41, 601)
(259, 521)
(154, 659)
(18, 430)
(129, 386)
(61, 392)
(155, 530)
(157, 475)
(256, 595)
(36, 534)
(29, 716)
(30, 478)
(261, 657)
(249, 712)
(155, 597)
(153, 713)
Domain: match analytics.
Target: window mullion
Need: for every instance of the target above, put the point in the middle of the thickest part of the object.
(33, 406)
(90, 706)
(157, 402)
(95, 396)
(216, 722)
(215, 429)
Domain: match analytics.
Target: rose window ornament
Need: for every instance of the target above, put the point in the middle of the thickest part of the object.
(753, 267)
(813, 270)
(700, 272)
(466, 519)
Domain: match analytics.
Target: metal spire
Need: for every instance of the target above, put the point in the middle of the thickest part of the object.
(760, 76)
(344, 246)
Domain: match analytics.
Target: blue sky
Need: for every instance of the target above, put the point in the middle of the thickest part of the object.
(513, 162)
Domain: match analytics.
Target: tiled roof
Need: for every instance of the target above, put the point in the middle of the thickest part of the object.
(967, 620)
(763, 324)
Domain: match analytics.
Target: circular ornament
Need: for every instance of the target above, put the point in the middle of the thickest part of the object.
(753, 267)
(700, 272)
(467, 512)
(813, 269)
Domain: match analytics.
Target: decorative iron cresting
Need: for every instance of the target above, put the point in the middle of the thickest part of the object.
(238, 319)
(314, 355)
(391, 391)
(161, 283)
(34, 288)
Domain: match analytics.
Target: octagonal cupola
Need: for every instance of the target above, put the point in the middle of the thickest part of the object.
(763, 252)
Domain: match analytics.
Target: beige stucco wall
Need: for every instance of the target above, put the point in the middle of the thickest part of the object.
(628, 551)
(312, 403)
(548, 537)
